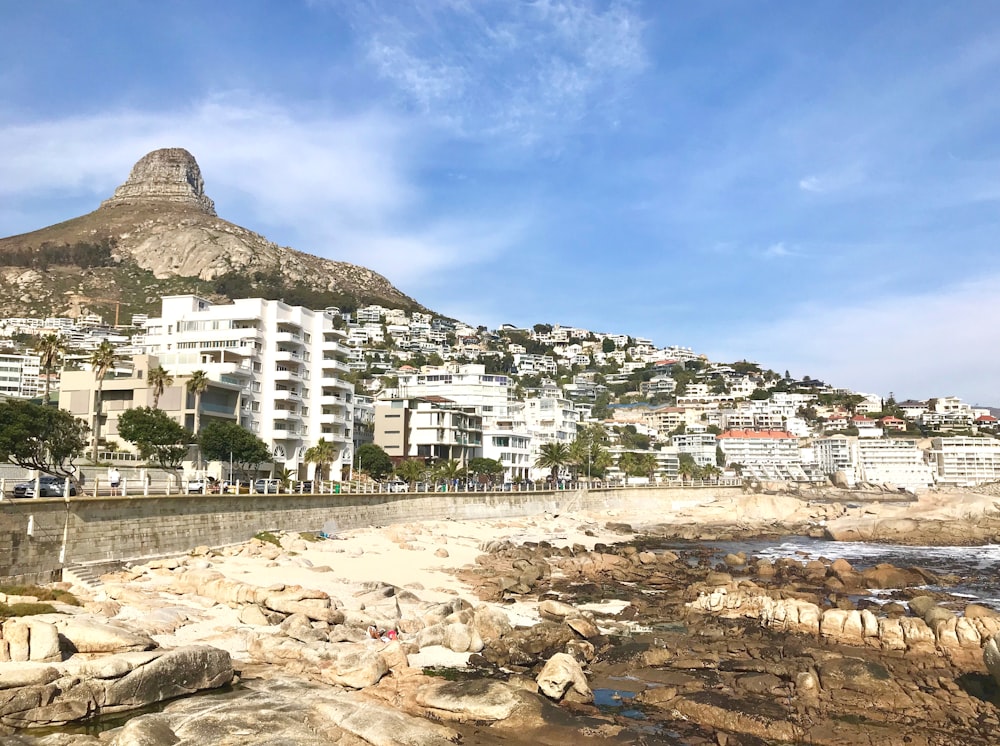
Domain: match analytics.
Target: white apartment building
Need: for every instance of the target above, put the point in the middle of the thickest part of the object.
(965, 462)
(890, 461)
(837, 453)
(505, 433)
(767, 454)
(700, 444)
(20, 376)
(550, 417)
(527, 363)
(288, 361)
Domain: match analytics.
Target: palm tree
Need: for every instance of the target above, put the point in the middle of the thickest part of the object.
(158, 379)
(687, 468)
(50, 348)
(411, 470)
(322, 454)
(198, 385)
(647, 464)
(102, 360)
(449, 470)
(553, 456)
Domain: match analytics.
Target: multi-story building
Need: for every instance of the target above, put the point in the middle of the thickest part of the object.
(767, 454)
(892, 461)
(20, 376)
(288, 361)
(965, 462)
(837, 454)
(700, 443)
(505, 433)
(127, 387)
(429, 428)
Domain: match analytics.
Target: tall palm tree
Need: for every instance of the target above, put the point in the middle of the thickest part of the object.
(158, 379)
(322, 454)
(50, 348)
(647, 464)
(628, 463)
(449, 470)
(198, 385)
(102, 360)
(553, 456)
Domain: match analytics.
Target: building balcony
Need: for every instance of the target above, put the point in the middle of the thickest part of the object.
(286, 414)
(289, 338)
(333, 364)
(284, 373)
(285, 395)
(332, 418)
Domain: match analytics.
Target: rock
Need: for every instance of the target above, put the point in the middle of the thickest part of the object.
(150, 730)
(991, 658)
(556, 611)
(583, 627)
(357, 668)
(855, 674)
(977, 611)
(299, 627)
(168, 174)
(562, 672)
(90, 636)
(479, 700)
(17, 675)
(172, 674)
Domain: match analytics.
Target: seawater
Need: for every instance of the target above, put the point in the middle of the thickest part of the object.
(976, 569)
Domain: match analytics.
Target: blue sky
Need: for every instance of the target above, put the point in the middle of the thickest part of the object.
(815, 186)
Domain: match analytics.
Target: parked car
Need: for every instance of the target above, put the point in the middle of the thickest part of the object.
(268, 486)
(202, 484)
(396, 486)
(48, 486)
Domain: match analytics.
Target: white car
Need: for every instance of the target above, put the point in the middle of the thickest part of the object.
(397, 486)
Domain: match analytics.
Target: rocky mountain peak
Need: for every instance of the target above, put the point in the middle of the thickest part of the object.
(167, 175)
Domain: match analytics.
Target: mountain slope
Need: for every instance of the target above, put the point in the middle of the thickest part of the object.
(159, 234)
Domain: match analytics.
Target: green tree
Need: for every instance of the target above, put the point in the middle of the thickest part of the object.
(372, 460)
(198, 384)
(228, 442)
(158, 379)
(449, 470)
(39, 437)
(687, 466)
(486, 467)
(323, 454)
(588, 451)
(607, 345)
(158, 437)
(102, 360)
(50, 348)
(646, 465)
(628, 464)
(553, 456)
(411, 471)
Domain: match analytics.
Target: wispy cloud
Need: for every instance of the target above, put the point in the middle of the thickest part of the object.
(907, 344)
(341, 186)
(778, 250)
(496, 67)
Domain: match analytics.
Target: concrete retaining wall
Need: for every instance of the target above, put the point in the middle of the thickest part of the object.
(38, 537)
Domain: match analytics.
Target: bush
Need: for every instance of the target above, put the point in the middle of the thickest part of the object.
(24, 609)
(41, 593)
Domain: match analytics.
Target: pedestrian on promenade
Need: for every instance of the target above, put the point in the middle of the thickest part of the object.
(114, 479)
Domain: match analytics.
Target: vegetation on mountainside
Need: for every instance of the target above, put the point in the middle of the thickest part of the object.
(82, 254)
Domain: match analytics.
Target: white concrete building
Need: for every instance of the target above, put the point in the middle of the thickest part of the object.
(767, 454)
(965, 462)
(505, 433)
(289, 362)
(20, 376)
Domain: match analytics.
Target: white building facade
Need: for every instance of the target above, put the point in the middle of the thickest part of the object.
(289, 362)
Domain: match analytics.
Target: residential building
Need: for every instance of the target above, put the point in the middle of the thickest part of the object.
(966, 462)
(767, 454)
(429, 428)
(289, 363)
(20, 376)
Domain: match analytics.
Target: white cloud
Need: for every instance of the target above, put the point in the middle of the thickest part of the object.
(918, 345)
(342, 185)
(778, 250)
(497, 67)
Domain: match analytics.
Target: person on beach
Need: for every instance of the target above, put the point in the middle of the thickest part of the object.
(114, 479)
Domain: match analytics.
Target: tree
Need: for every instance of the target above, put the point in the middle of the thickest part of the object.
(608, 345)
(553, 456)
(157, 436)
(323, 454)
(102, 360)
(372, 459)
(627, 463)
(588, 453)
(646, 464)
(49, 348)
(687, 467)
(227, 441)
(411, 470)
(449, 470)
(198, 385)
(39, 437)
(486, 467)
(158, 379)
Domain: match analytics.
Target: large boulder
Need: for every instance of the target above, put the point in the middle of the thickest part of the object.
(90, 636)
(562, 675)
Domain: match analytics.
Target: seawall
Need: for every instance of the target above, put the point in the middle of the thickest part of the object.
(38, 537)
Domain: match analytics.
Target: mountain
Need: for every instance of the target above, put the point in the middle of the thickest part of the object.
(159, 235)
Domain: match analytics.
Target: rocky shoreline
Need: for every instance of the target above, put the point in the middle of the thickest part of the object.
(544, 630)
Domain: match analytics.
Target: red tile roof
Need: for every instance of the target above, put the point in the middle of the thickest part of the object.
(771, 434)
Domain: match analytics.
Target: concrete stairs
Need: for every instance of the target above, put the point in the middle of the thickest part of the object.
(88, 574)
